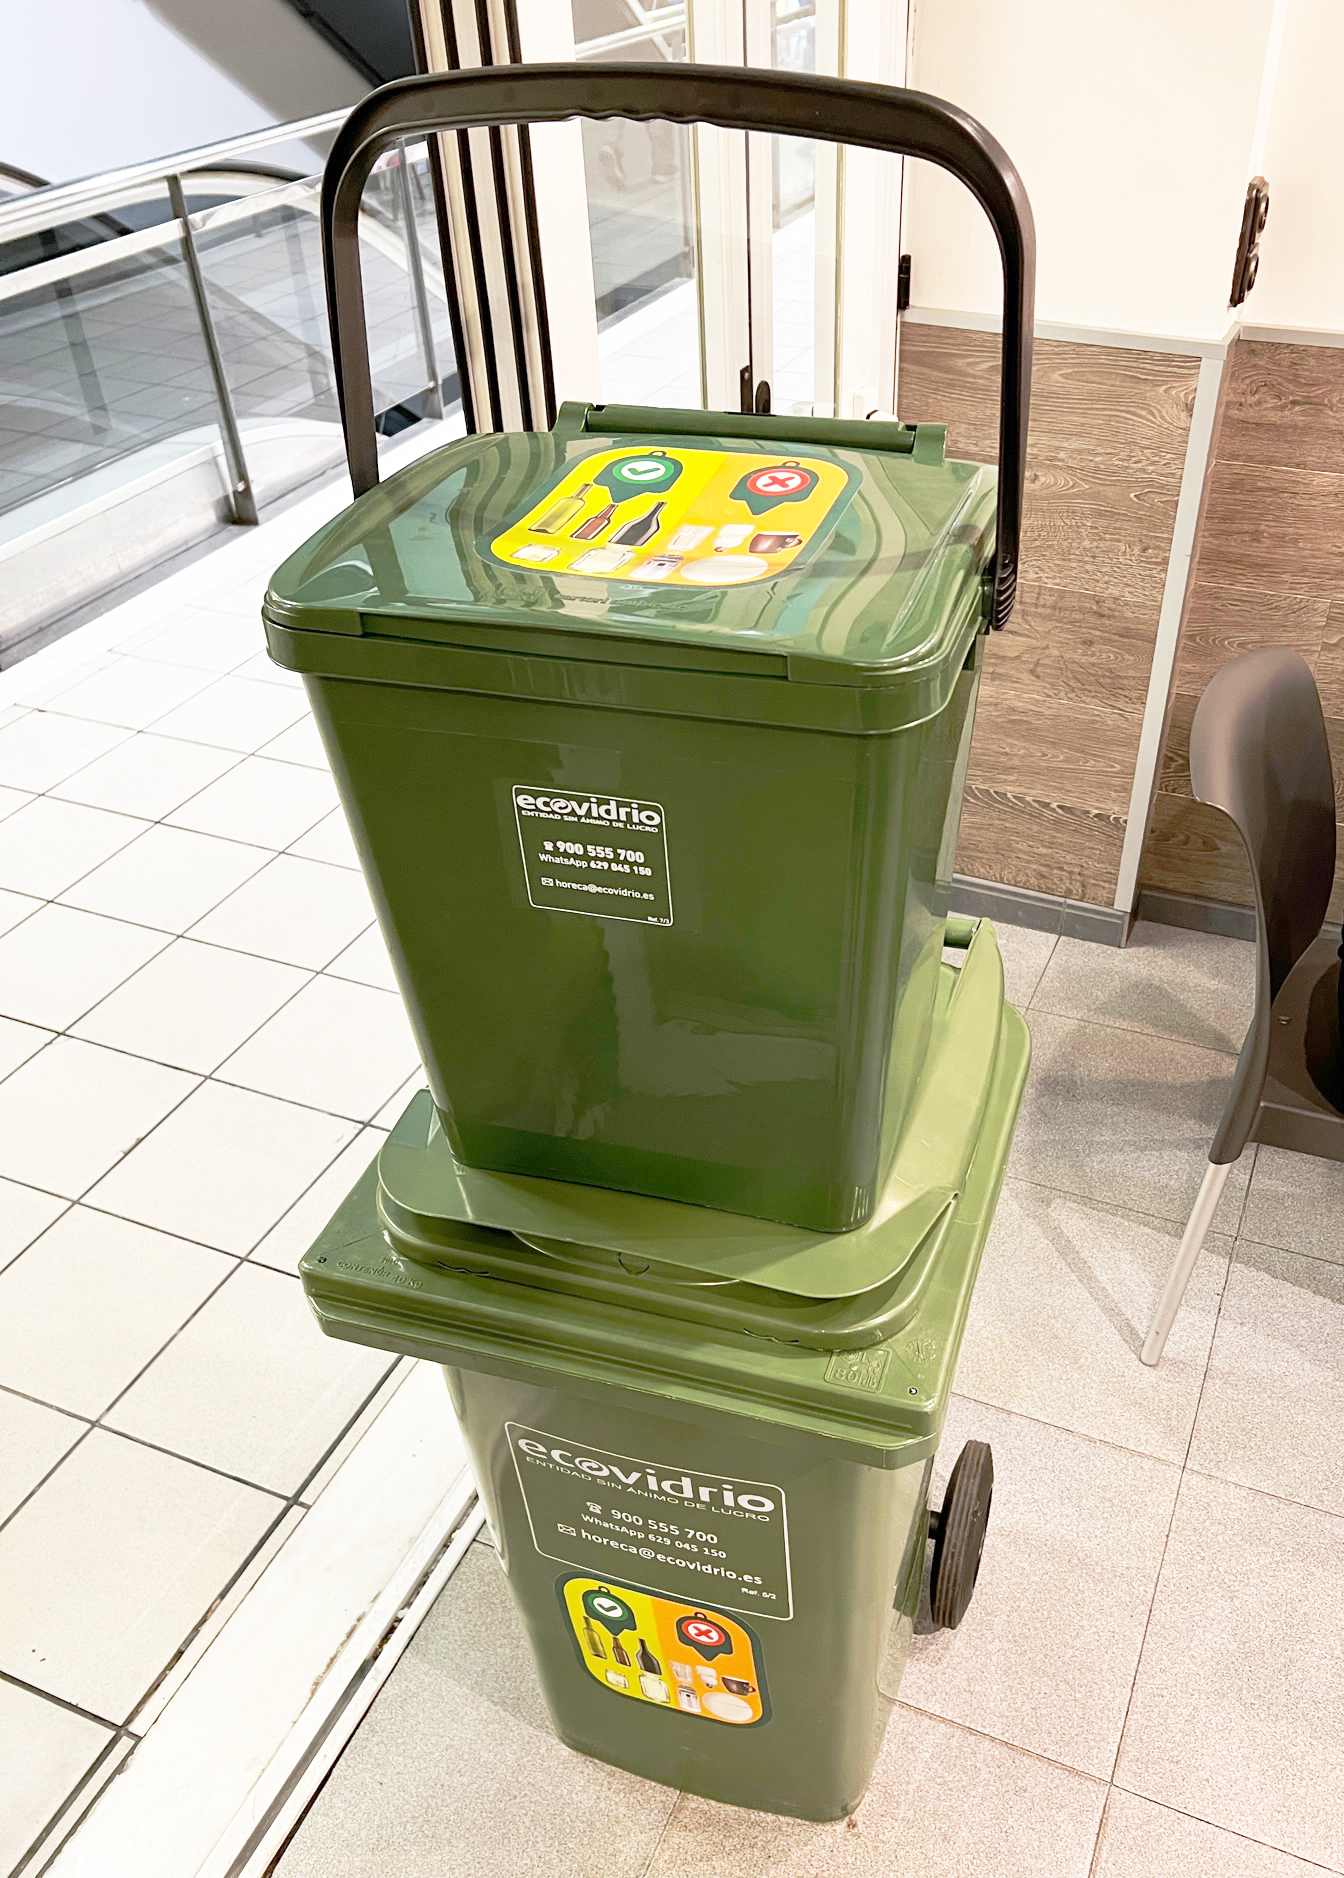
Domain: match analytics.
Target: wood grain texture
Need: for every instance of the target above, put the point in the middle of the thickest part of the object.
(1268, 571)
(1076, 755)
(1285, 405)
(1050, 847)
(1058, 723)
(1221, 622)
(1330, 662)
(1066, 645)
(1279, 530)
(1108, 400)
(1195, 850)
(1095, 535)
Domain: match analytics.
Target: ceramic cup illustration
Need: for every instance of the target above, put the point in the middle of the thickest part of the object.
(604, 560)
(774, 544)
(688, 537)
(739, 1687)
(732, 536)
(724, 570)
(729, 1708)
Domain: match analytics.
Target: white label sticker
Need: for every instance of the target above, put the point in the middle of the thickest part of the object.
(605, 856)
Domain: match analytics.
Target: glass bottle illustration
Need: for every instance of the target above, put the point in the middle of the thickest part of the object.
(651, 1673)
(619, 1652)
(592, 528)
(592, 1641)
(561, 513)
(644, 527)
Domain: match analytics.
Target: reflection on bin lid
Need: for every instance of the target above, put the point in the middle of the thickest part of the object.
(822, 550)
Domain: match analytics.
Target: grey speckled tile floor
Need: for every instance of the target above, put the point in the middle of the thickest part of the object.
(1150, 1680)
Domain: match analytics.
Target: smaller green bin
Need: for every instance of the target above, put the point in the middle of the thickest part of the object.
(659, 833)
(704, 1442)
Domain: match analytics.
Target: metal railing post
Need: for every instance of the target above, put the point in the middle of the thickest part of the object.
(242, 503)
(415, 263)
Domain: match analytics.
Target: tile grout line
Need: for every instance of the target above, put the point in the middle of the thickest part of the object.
(663, 1832)
(60, 1701)
(1013, 1747)
(1199, 1819)
(293, 1503)
(1171, 1523)
(47, 1844)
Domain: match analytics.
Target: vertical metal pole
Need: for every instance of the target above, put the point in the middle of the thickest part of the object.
(242, 504)
(415, 263)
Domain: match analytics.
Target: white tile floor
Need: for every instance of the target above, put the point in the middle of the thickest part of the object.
(186, 1092)
(1150, 1679)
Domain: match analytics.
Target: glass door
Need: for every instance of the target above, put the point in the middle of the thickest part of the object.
(704, 268)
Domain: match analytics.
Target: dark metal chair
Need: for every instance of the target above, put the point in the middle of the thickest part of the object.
(1258, 752)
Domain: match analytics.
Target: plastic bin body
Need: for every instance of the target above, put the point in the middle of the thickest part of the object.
(697, 1425)
(855, 1557)
(728, 1004)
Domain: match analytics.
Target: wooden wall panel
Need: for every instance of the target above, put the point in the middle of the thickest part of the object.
(1268, 571)
(1061, 708)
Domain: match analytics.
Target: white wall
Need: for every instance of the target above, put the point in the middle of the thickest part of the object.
(87, 85)
(1132, 124)
(1301, 280)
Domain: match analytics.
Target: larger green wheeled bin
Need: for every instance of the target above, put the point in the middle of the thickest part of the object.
(704, 1441)
(651, 731)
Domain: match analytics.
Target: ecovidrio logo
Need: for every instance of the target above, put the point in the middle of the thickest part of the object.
(614, 811)
(678, 1530)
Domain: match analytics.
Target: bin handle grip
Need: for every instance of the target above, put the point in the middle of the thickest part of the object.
(873, 117)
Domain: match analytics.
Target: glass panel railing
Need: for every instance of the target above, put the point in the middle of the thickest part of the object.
(96, 367)
(106, 348)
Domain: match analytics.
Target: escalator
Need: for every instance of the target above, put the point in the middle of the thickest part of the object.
(131, 383)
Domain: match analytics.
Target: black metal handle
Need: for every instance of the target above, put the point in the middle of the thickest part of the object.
(831, 110)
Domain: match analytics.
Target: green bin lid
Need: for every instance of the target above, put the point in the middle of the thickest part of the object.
(868, 1377)
(827, 551)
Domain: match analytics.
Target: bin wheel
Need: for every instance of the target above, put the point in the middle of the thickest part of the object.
(959, 1534)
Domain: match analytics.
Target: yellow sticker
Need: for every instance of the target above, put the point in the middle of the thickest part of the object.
(679, 518)
(666, 1652)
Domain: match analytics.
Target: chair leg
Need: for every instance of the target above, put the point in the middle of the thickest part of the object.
(1197, 1226)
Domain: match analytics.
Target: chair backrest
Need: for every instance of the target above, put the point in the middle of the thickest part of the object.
(1258, 751)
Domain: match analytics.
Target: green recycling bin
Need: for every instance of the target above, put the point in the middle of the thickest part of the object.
(651, 728)
(651, 731)
(704, 1441)
(659, 833)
